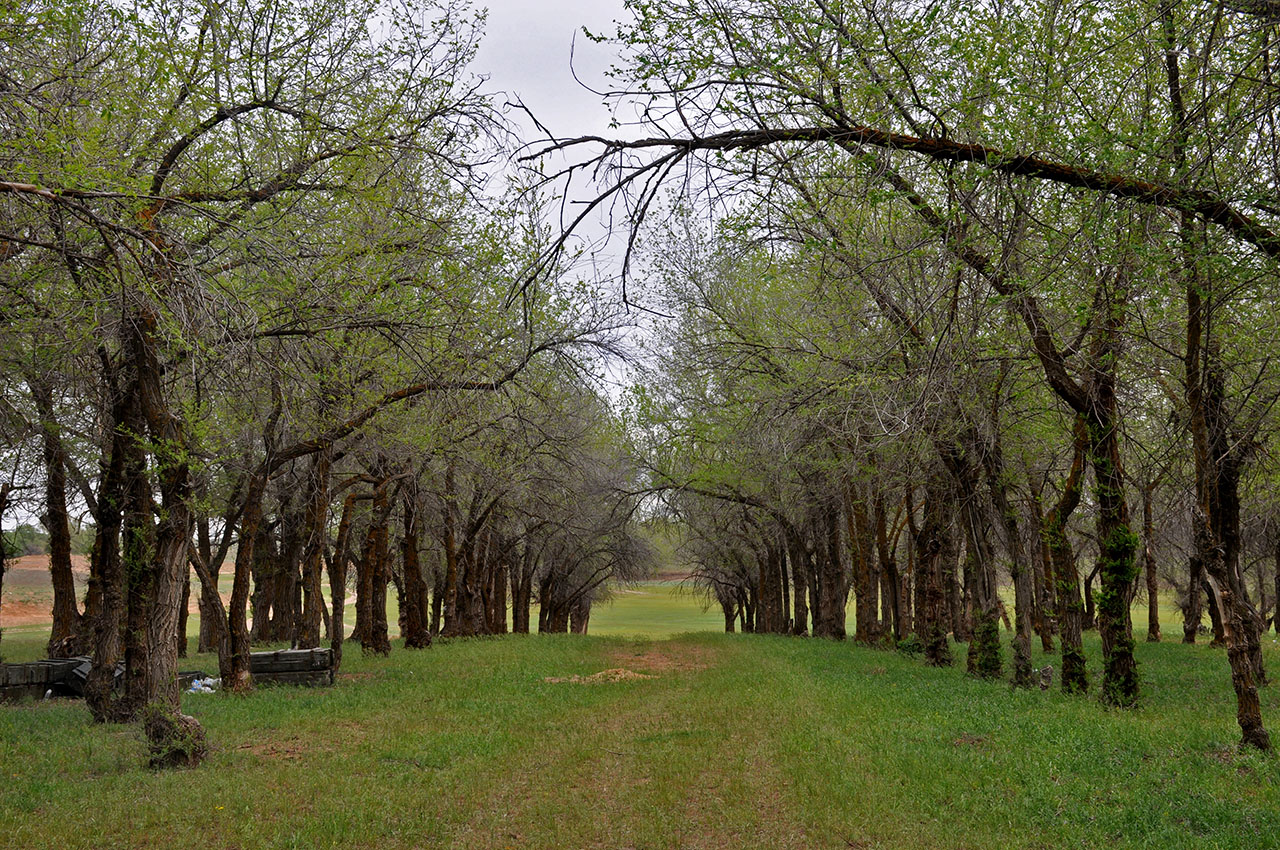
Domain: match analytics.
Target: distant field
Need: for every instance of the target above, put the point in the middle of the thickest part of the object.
(656, 610)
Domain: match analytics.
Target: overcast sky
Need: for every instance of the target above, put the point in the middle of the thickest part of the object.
(526, 51)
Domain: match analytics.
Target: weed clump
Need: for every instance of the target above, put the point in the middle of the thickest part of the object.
(173, 739)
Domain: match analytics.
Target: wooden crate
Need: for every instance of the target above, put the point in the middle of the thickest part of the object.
(293, 666)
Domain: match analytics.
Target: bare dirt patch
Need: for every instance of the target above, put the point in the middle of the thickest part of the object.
(968, 740)
(291, 749)
(618, 674)
(668, 657)
(24, 614)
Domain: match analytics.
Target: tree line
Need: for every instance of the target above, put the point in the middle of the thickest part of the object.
(959, 287)
(258, 285)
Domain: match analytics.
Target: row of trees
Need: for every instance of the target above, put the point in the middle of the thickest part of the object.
(256, 283)
(970, 258)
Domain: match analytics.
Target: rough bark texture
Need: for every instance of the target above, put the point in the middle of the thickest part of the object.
(416, 610)
(1070, 607)
(931, 547)
(65, 637)
(316, 531)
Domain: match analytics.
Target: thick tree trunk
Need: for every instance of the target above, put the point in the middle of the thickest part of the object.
(416, 610)
(1118, 545)
(106, 570)
(771, 617)
(931, 547)
(65, 637)
(862, 549)
(984, 656)
(154, 555)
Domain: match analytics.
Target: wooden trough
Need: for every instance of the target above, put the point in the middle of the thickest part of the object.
(65, 677)
(293, 666)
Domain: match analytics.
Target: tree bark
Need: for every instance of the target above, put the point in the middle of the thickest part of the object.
(931, 547)
(65, 638)
(316, 532)
(1075, 677)
(417, 604)
(338, 579)
(1149, 565)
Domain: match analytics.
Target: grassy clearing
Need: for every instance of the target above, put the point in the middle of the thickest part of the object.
(737, 741)
(656, 609)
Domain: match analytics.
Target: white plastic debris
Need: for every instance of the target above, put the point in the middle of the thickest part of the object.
(203, 686)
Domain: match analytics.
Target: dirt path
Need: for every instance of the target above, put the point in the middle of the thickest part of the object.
(647, 746)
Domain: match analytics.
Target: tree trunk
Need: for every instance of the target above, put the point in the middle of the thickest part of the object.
(798, 557)
(861, 548)
(1075, 679)
(1018, 566)
(1117, 566)
(984, 657)
(338, 579)
(931, 547)
(1275, 617)
(522, 591)
(417, 634)
(1149, 565)
(316, 530)
(1193, 610)
(377, 575)
(106, 570)
(4, 505)
(829, 619)
(235, 669)
(889, 569)
(65, 638)
(1046, 607)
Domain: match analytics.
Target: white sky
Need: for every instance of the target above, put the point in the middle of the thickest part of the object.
(526, 51)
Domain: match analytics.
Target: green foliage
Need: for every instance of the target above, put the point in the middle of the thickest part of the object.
(910, 646)
(25, 539)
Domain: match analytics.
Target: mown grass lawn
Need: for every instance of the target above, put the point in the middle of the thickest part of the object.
(735, 741)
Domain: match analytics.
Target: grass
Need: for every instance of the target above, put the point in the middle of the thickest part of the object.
(736, 741)
(657, 609)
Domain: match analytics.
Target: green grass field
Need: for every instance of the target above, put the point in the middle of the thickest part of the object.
(735, 741)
